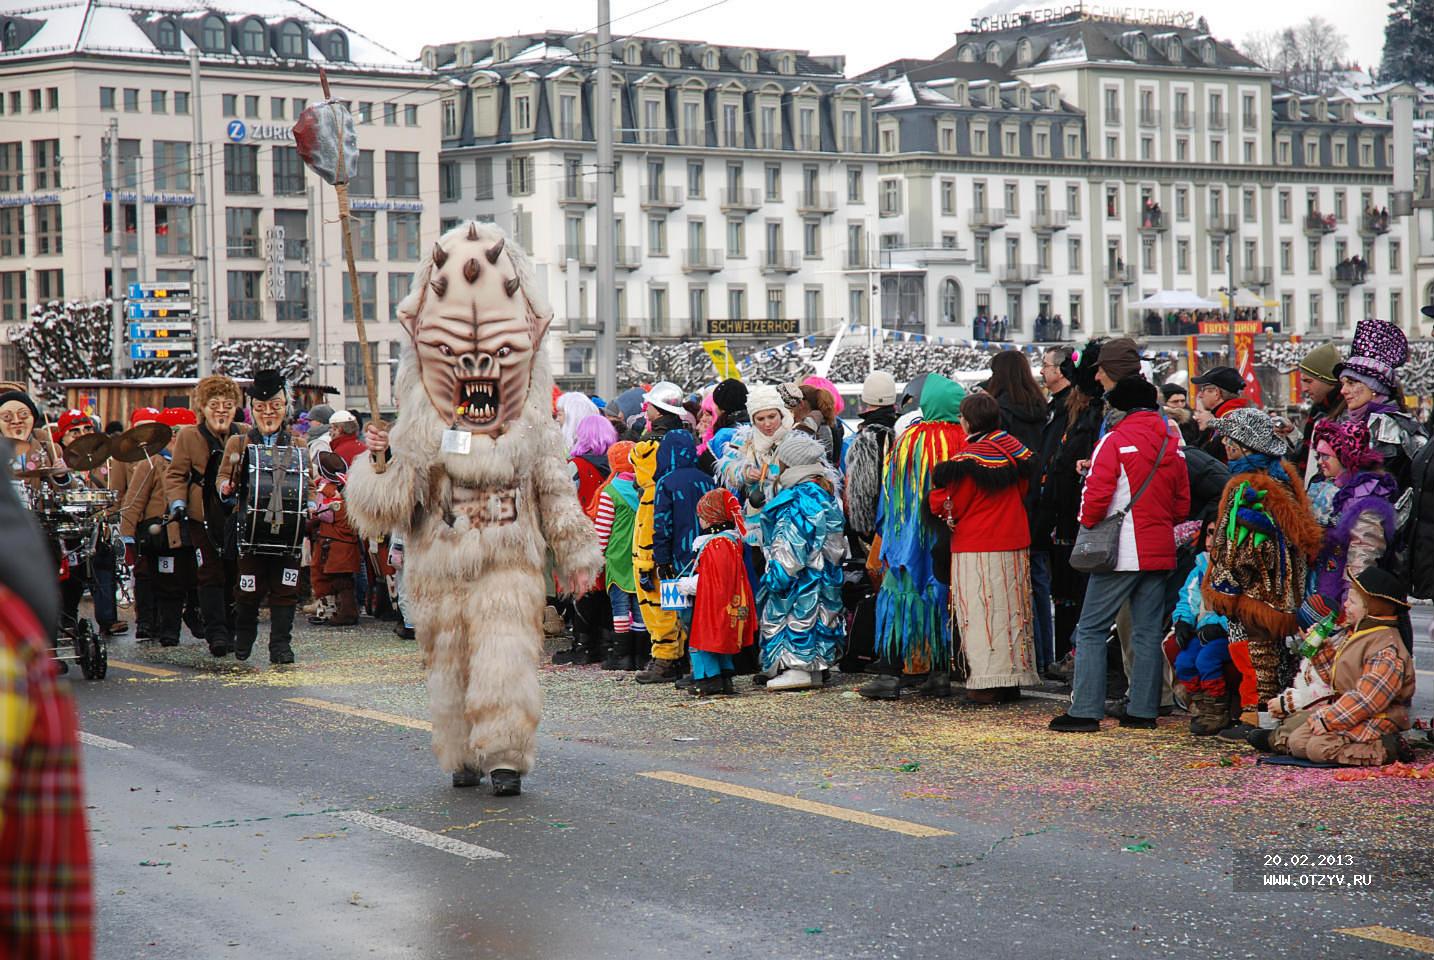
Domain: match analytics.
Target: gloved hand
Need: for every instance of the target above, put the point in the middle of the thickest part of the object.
(687, 586)
(129, 554)
(1210, 632)
(644, 580)
(944, 473)
(1184, 631)
(666, 571)
(178, 510)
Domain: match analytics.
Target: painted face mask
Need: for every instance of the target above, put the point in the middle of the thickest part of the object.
(268, 414)
(16, 421)
(475, 335)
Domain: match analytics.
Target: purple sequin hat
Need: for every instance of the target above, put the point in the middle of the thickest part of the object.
(1379, 348)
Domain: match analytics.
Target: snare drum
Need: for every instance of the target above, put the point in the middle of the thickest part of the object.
(88, 500)
(273, 505)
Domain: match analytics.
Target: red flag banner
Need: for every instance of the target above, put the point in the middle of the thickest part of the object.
(1245, 363)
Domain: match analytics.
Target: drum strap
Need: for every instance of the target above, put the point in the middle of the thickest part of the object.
(274, 511)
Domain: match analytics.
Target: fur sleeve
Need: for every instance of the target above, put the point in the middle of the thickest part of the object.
(379, 503)
(570, 534)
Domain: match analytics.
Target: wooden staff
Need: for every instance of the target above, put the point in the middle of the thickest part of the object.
(341, 187)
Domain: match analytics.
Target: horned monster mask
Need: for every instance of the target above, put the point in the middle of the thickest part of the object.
(475, 331)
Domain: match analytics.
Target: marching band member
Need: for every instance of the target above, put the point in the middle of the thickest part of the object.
(166, 570)
(263, 577)
(97, 569)
(194, 499)
(18, 416)
(120, 474)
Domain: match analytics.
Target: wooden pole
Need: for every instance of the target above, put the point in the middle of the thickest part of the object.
(341, 186)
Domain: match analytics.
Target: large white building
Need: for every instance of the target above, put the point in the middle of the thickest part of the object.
(68, 68)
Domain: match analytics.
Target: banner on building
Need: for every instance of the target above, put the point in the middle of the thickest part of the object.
(1222, 328)
(722, 361)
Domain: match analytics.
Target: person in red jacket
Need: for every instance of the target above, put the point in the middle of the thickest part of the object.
(1120, 464)
(980, 495)
(724, 614)
(343, 436)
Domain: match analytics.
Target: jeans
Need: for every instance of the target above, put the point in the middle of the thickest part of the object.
(1045, 626)
(1104, 596)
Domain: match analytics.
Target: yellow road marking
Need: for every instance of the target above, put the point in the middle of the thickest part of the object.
(363, 712)
(141, 668)
(796, 803)
(1395, 938)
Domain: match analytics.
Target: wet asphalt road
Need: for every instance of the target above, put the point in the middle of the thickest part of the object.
(213, 799)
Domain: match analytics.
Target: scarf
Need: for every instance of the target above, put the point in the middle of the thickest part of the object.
(1260, 463)
(1361, 485)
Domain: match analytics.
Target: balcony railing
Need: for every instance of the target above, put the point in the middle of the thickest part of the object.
(1153, 221)
(584, 254)
(694, 136)
(1119, 275)
(1348, 274)
(241, 182)
(1373, 224)
(1049, 221)
(1019, 274)
(667, 198)
(742, 200)
(578, 192)
(701, 260)
(850, 144)
(1249, 121)
(1257, 276)
(816, 201)
(781, 261)
(809, 142)
(1112, 115)
(1149, 117)
(243, 247)
(987, 218)
(1318, 224)
(1218, 120)
(1222, 223)
(1184, 120)
(627, 258)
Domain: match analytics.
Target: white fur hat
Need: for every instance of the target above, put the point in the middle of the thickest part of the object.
(763, 396)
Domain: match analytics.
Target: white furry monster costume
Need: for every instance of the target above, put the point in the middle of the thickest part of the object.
(478, 526)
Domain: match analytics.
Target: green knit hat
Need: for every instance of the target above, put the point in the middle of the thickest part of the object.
(1320, 362)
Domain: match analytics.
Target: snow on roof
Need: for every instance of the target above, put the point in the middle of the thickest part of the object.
(114, 27)
(539, 52)
(899, 93)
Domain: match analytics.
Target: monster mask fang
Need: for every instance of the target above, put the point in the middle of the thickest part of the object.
(478, 400)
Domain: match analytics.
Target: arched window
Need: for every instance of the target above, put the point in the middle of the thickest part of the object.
(1138, 49)
(336, 47)
(950, 301)
(166, 37)
(709, 60)
(671, 58)
(632, 54)
(749, 62)
(993, 52)
(1023, 52)
(588, 50)
(1175, 50)
(213, 37)
(1208, 51)
(967, 53)
(251, 39)
(291, 40)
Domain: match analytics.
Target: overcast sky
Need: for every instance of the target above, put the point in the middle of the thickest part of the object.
(868, 34)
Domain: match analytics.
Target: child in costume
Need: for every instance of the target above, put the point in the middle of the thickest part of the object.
(804, 539)
(663, 626)
(1371, 675)
(480, 488)
(337, 554)
(724, 615)
(615, 512)
(1204, 658)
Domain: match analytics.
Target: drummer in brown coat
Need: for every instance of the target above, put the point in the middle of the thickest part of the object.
(119, 475)
(166, 571)
(264, 578)
(193, 497)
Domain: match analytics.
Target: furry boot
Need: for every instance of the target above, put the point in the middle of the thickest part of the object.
(615, 656)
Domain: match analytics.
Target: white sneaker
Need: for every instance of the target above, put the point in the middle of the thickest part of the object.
(791, 680)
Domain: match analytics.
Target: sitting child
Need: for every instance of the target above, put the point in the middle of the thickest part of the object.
(1204, 657)
(1371, 676)
(724, 617)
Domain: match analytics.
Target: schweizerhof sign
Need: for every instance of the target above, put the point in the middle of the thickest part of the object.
(1090, 11)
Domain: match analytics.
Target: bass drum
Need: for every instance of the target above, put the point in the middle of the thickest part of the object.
(274, 501)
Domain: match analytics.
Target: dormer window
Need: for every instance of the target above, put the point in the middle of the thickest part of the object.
(291, 40)
(1023, 99)
(587, 51)
(786, 64)
(1207, 52)
(1138, 47)
(632, 54)
(993, 52)
(430, 59)
(710, 60)
(213, 37)
(1023, 52)
(671, 58)
(500, 51)
(465, 55)
(958, 92)
(166, 37)
(966, 53)
(252, 42)
(336, 47)
(749, 62)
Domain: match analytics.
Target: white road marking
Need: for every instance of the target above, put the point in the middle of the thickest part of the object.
(104, 743)
(427, 838)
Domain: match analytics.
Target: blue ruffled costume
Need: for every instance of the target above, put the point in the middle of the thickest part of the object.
(803, 624)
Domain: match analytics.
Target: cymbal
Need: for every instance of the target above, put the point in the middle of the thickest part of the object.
(141, 441)
(88, 452)
(40, 472)
(331, 465)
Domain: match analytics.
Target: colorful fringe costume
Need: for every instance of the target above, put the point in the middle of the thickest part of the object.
(803, 622)
(912, 619)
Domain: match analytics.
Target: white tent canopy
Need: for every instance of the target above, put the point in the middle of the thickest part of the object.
(1176, 300)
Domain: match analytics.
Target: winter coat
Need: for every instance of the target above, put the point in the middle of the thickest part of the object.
(1372, 675)
(679, 486)
(1028, 427)
(1189, 429)
(724, 612)
(337, 545)
(1191, 607)
(803, 621)
(617, 505)
(983, 499)
(1395, 435)
(1120, 464)
(194, 468)
(350, 446)
(1419, 535)
(144, 495)
(1059, 505)
(1260, 554)
(1359, 533)
(592, 471)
